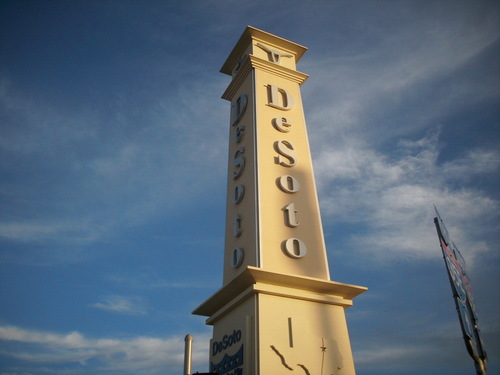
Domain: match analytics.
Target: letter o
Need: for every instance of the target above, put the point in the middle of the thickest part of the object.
(239, 192)
(288, 184)
(295, 248)
(237, 257)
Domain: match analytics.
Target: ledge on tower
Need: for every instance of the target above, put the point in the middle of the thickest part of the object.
(256, 280)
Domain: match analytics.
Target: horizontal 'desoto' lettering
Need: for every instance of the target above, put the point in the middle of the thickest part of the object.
(226, 342)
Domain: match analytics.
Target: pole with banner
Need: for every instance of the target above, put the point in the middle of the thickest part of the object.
(463, 296)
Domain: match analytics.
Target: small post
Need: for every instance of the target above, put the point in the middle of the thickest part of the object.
(188, 352)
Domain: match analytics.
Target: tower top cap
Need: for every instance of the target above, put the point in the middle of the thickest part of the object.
(251, 33)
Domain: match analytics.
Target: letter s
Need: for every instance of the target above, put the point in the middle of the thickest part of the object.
(239, 162)
(287, 156)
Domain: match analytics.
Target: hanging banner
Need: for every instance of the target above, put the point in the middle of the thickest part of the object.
(463, 296)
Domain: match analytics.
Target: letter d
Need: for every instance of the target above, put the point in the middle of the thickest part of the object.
(276, 93)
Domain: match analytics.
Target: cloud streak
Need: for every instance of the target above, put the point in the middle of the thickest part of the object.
(74, 353)
(122, 305)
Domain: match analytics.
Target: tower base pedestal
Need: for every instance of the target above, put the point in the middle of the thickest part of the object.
(271, 323)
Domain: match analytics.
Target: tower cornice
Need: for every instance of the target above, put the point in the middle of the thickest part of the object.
(278, 70)
(267, 66)
(251, 33)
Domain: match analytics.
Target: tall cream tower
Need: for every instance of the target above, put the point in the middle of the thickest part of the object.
(277, 310)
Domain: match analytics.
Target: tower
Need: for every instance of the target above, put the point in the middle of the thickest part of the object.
(277, 310)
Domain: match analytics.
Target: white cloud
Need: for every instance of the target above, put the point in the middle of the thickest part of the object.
(394, 197)
(149, 279)
(474, 163)
(123, 305)
(24, 231)
(137, 355)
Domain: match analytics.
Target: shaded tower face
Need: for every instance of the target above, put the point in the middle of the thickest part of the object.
(273, 220)
(277, 310)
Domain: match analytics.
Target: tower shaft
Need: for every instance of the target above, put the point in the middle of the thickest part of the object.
(277, 311)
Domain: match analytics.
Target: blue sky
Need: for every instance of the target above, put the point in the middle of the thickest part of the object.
(113, 156)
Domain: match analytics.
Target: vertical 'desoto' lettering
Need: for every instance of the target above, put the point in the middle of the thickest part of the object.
(239, 163)
(281, 124)
(279, 98)
(238, 193)
(239, 133)
(237, 257)
(290, 214)
(288, 184)
(238, 108)
(287, 156)
(295, 248)
(237, 225)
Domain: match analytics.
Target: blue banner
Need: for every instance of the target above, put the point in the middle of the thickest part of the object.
(462, 293)
(228, 363)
